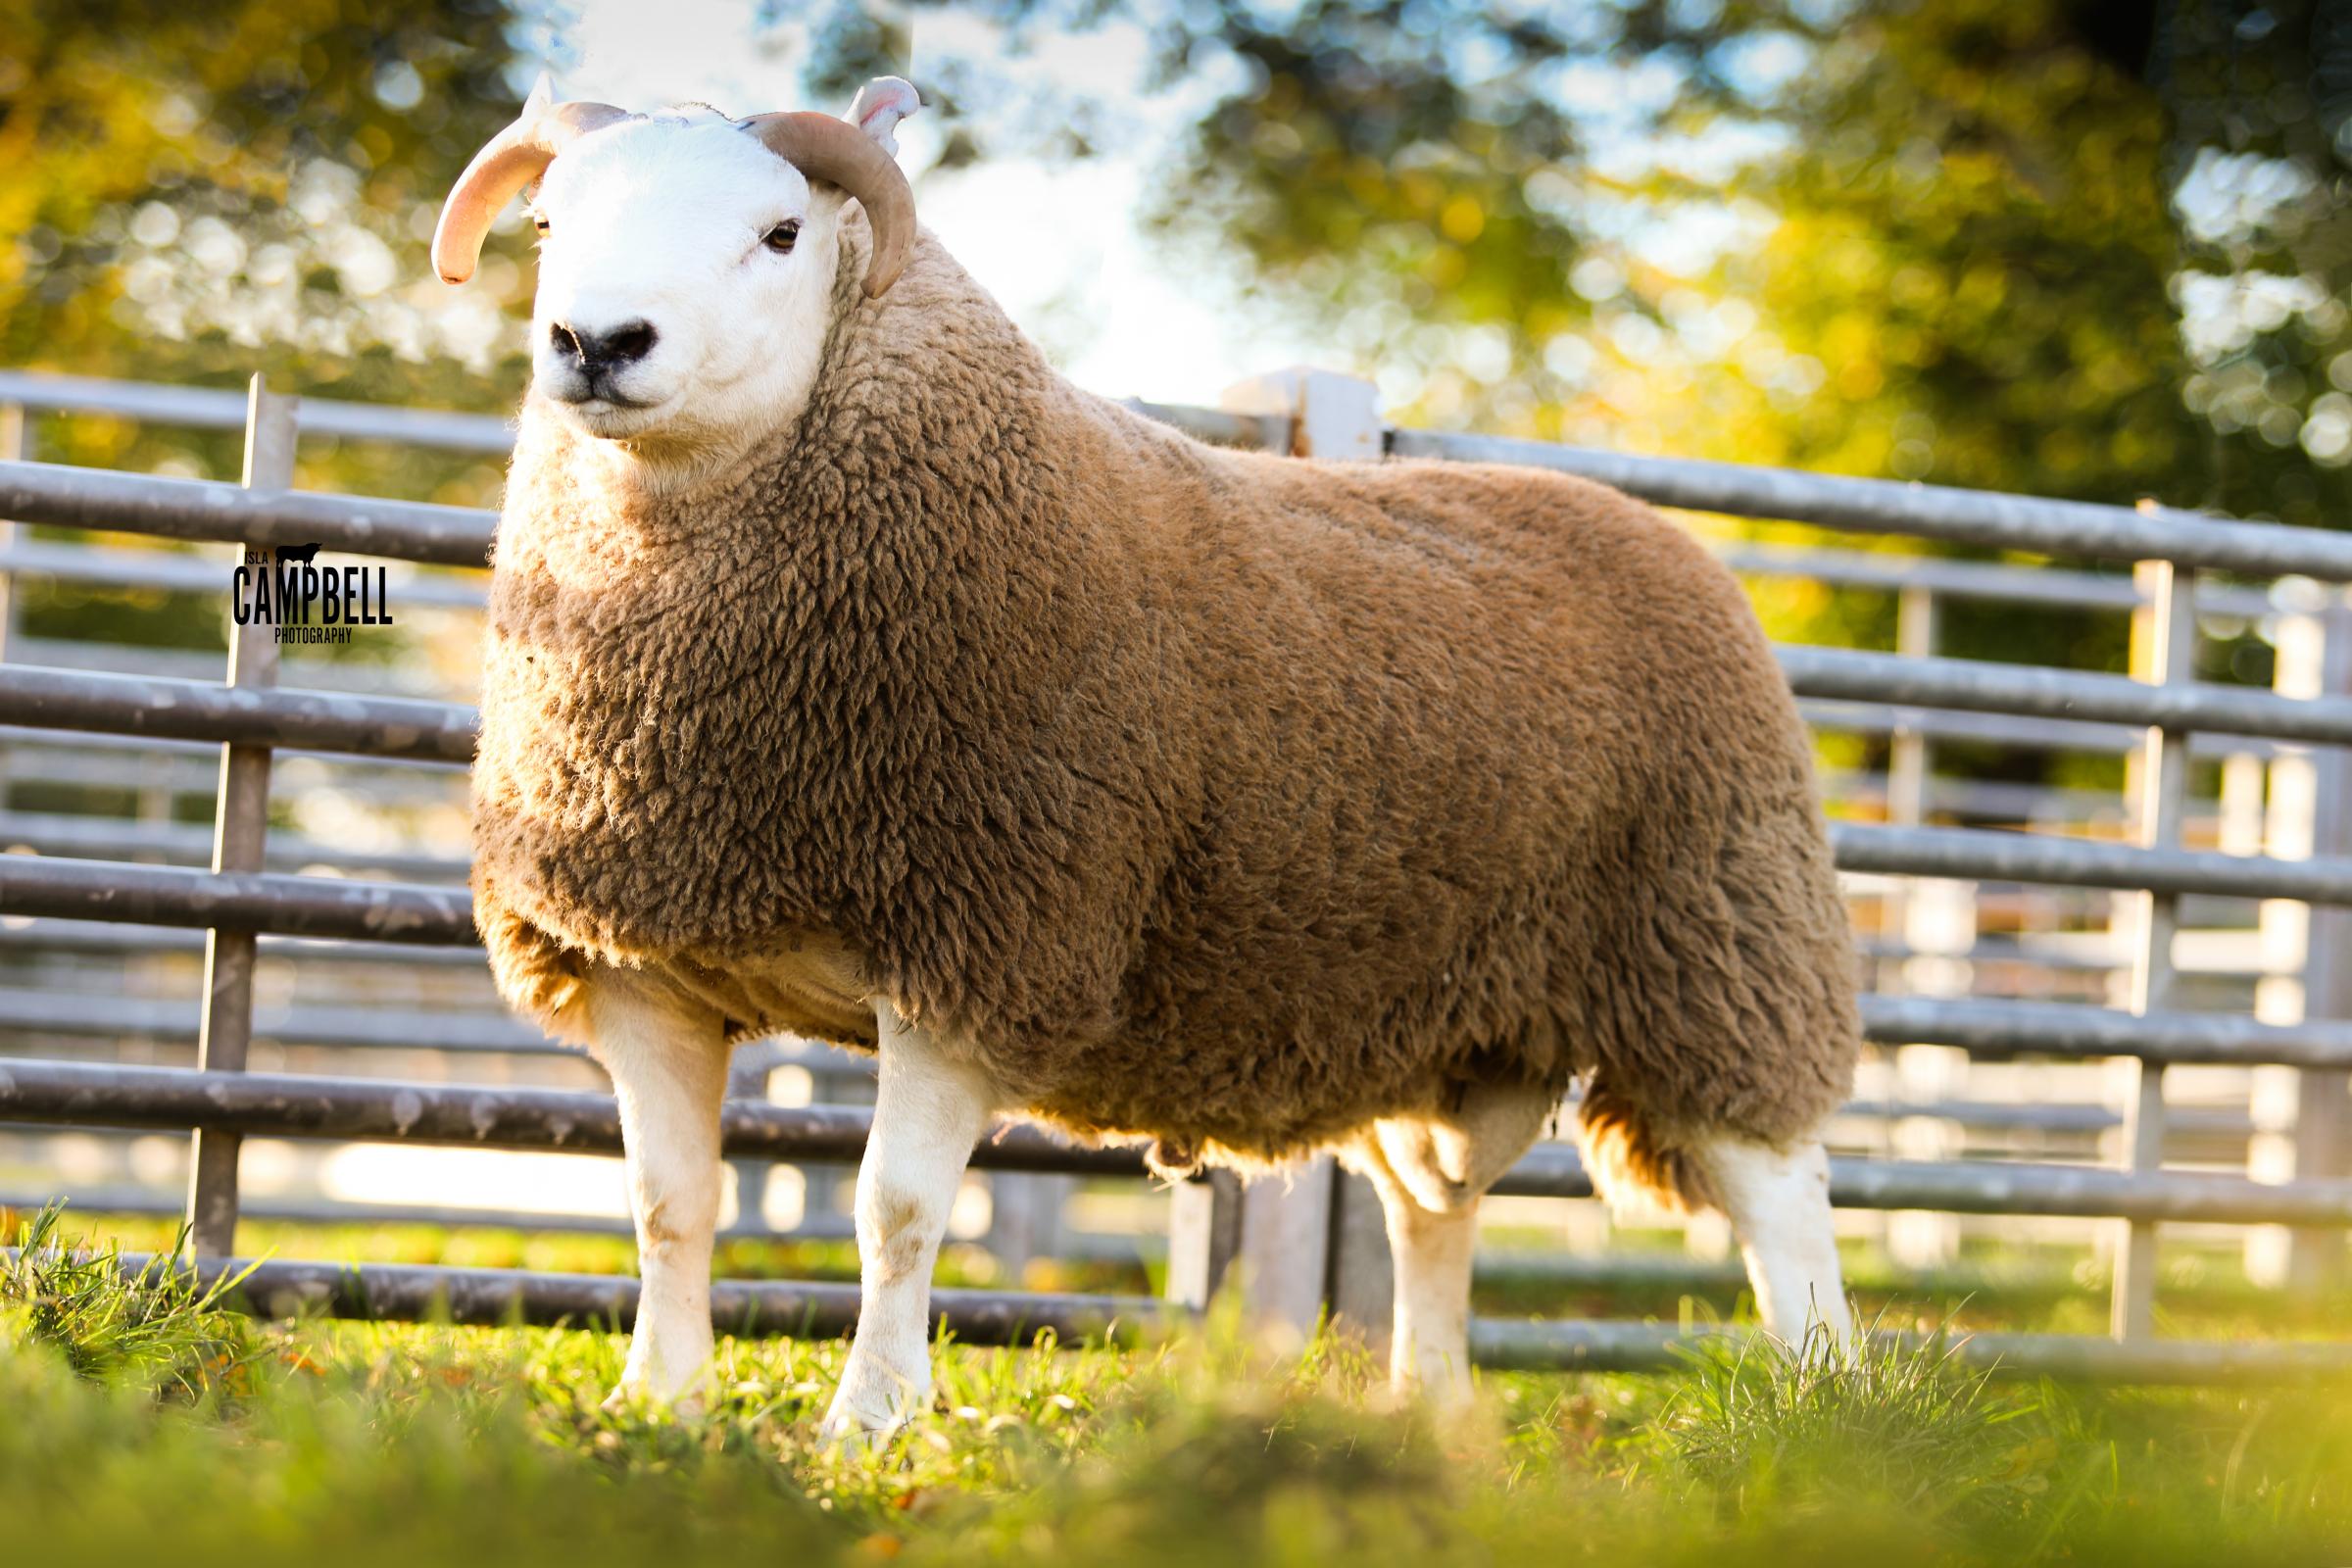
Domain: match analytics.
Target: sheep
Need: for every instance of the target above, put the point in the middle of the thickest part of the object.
(849, 674)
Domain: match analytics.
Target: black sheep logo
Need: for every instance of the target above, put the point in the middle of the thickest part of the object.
(304, 554)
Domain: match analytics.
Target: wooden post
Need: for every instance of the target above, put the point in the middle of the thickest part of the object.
(1308, 1245)
(2162, 651)
(1024, 1217)
(748, 1075)
(1359, 1276)
(241, 826)
(1204, 1233)
(1332, 416)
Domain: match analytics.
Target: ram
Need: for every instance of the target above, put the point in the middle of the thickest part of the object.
(849, 674)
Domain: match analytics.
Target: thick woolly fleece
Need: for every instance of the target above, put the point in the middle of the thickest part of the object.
(1227, 799)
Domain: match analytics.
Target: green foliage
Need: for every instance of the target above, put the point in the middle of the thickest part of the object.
(155, 1329)
(2262, 154)
(1903, 1426)
(201, 191)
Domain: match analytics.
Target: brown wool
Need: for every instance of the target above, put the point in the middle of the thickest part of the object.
(1228, 800)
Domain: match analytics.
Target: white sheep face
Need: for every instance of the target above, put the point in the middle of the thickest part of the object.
(685, 281)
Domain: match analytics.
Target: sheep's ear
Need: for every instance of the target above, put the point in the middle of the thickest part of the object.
(879, 107)
(541, 100)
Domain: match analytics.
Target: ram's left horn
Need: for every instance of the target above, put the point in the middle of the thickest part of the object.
(824, 148)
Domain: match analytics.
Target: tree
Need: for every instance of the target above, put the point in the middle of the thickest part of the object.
(199, 191)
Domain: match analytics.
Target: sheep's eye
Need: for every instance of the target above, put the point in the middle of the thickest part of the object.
(779, 238)
(539, 221)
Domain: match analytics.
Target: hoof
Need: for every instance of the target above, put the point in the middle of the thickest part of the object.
(860, 1430)
(874, 1401)
(684, 1405)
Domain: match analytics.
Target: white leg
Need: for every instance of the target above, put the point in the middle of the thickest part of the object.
(1431, 1171)
(929, 1109)
(1431, 1248)
(668, 1063)
(1777, 1202)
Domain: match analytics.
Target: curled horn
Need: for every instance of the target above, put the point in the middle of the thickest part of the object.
(837, 151)
(512, 160)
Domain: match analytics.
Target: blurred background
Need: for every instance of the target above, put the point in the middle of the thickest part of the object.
(2081, 250)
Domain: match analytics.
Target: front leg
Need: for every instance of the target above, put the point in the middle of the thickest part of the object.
(929, 1109)
(667, 1059)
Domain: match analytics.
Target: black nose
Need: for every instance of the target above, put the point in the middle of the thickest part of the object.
(623, 345)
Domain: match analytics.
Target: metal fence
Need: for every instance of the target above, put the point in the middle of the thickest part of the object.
(1315, 1244)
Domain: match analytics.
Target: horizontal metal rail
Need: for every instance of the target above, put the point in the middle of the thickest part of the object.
(2078, 1118)
(195, 407)
(180, 572)
(110, 838)
(2029, 734)
(157, 1202)
(195, 710)
(1992, 1187)
(322, 671)
(372, 1110)
(803, 1308)
(302, 1106)
(1559, 1345)
(1998, 581)
(1262, 432)
(266, 901)
(1983, 517)
(486, 1297)
(70, 756)
(202, 508)
(401, 1027)
(1984, 687)
(2079, 1029)
(122, 940)
(396, 1028)
(1980, 856)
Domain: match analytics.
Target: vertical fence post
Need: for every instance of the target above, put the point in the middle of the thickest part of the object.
(2317, 1258)
(15, 444)
(2303, 816)
(748, 1075)
(2164, 653)
(1917, 619)
(1204, 1235)
(240, 825)
(1025, 1218)
(1935, 923)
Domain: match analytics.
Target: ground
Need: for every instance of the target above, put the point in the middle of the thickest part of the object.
(137, 1420)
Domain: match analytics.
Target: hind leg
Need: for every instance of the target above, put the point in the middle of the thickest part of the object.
(1430, 1172)
(1777, 1201)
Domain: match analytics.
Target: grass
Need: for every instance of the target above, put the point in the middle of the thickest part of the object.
(140, 1418)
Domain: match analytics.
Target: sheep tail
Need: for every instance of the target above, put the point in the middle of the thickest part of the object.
(1631, 1163)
